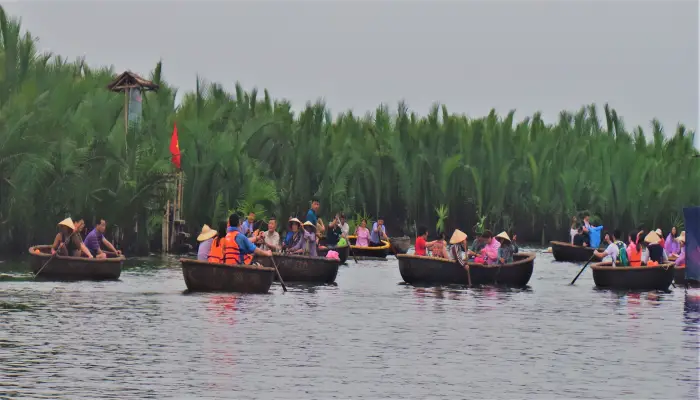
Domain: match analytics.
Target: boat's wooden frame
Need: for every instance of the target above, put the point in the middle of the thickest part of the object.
(74, 268)
(659, 277)
(440, 271)
(299, 268)
(202, 276)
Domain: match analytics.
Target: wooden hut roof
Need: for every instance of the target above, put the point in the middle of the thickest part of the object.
(128, 80)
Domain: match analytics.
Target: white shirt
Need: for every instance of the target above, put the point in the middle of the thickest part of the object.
(345, 228)
(612, 251)
(271, 239)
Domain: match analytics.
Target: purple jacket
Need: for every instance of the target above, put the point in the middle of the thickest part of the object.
(671, 245)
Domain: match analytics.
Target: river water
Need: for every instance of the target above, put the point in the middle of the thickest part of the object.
(369, 337)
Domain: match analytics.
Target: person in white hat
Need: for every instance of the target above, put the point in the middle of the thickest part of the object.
(67, 242)
(308, 244)
(459, 239)
(656, 251)
(205, 239)
(294, 234)
(506, 250)
(680, 261)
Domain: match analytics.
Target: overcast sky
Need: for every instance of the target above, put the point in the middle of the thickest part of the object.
(640, 56)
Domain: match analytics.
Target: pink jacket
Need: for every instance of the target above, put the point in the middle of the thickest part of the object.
(490, 252)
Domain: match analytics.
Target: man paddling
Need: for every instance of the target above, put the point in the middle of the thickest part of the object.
(238, 249)
(616, 250)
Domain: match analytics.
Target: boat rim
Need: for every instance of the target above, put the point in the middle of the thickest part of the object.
(32, 252)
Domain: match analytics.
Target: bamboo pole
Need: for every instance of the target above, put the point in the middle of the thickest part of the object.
(126, 117)
(166, 228)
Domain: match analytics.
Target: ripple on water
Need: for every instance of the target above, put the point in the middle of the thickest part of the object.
(368, 337)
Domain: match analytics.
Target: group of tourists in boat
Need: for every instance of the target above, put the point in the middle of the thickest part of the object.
(242, 240)
(69, 243)
(485, 249)
(642, 248)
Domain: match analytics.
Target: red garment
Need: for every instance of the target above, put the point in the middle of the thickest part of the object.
(175, 147)
(420, 246)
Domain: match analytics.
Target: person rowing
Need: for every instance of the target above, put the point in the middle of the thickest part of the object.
(616, 250)
(459, 239)
(67, 241)
(238, 249)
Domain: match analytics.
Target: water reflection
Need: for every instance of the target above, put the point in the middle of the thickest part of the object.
(691, 311)
(366, 338)
(223, 307)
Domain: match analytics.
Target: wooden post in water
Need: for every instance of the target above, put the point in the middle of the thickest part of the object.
(165, 242)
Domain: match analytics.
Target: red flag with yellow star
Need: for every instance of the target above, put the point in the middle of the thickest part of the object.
(175, 147)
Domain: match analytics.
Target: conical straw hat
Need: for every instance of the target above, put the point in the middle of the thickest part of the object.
(652, 238)
(458, 237)
(207, 233)
(67, 223)
(307, 223)
(294, 220)
(503, 235)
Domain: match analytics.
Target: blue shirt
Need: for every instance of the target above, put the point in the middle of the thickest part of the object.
(374, 237)
(288, 238)
(244, 244)
(247, 228)
(311, 217)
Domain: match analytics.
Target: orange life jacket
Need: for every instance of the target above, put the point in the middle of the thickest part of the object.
(232, 253)
(635, 257)
(216, 253)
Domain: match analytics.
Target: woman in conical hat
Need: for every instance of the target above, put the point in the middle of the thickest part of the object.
(506, 250)
(66, 243)
(680, 261)
(308, 243)
(656, 250)
(294, 234)
(205, 239)
(459, 239)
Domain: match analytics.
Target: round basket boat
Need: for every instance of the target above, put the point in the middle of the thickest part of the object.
(74, 268)
(633, 278)
(400, 245)
(202, 276)
(298, 268)
(439, 271)
(563, 251)
(369, 251)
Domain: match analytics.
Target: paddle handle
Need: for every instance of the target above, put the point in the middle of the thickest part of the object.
(284, 287)
(584, 267)
(53, 255)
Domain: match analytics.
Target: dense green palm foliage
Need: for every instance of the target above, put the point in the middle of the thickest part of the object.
(63, 152)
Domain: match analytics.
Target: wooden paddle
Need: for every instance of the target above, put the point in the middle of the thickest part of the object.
(584, 267)
(53, 255)
(284, 287)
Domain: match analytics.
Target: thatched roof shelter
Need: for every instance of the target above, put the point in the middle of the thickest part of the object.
(129, 80)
